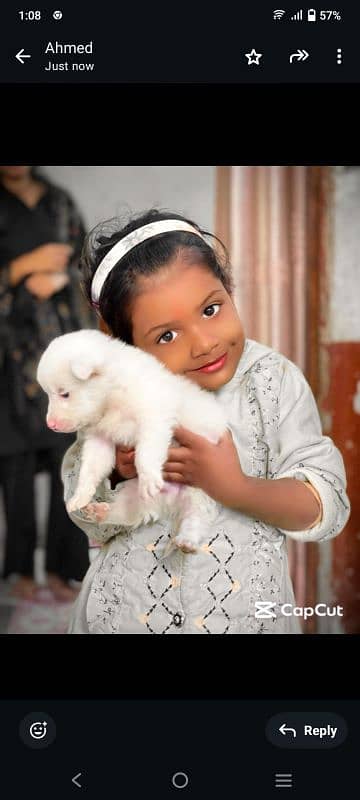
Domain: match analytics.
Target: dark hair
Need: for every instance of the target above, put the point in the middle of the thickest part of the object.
(144, 259)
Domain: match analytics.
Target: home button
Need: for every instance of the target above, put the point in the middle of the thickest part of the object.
(180, 780)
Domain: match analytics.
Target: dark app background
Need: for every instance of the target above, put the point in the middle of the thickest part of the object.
(309, 124)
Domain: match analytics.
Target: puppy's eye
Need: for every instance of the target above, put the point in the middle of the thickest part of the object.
(65, 394)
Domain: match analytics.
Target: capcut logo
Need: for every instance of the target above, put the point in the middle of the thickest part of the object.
(266, 610)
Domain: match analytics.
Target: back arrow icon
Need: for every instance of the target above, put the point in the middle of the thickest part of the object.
(74, 780)
(20, 55)
(300, 55)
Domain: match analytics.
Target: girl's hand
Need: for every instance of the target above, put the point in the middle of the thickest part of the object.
(44, 285)
(125, 462)
(214, 468)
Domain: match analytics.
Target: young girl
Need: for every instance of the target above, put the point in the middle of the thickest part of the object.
(161, 284)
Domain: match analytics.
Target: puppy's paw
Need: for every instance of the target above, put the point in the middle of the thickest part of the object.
(96, 512)
(80, 499)
(150, 484)
(186, 543)
(150, 515)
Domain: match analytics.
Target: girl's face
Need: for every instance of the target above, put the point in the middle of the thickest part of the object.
(184, 316)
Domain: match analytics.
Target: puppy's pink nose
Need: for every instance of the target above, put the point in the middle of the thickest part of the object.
(51, 422)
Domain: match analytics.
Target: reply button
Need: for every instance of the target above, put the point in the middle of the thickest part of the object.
(306, 730)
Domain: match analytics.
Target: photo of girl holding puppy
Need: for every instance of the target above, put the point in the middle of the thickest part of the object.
(274, 477)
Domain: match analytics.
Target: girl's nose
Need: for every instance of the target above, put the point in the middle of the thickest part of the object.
(202, 345)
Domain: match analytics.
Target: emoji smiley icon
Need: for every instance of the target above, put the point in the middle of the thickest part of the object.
(38, 730)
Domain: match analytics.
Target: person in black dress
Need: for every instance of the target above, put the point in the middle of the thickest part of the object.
(41, 236)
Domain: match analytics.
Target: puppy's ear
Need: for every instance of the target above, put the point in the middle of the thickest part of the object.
(83, 367)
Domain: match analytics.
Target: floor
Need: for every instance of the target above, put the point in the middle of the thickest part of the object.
(45, 615)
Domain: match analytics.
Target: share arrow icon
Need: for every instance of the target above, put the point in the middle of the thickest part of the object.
(20, 55)
(300, 55)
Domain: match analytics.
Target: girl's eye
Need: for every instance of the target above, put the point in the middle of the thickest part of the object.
(214, 309)
(66, 394)
(164, 338)
(167, 337)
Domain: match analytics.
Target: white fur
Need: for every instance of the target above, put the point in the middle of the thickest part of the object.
(118, 394)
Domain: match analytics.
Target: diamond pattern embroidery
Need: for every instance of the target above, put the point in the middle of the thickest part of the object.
(159, 617)
(219, 600)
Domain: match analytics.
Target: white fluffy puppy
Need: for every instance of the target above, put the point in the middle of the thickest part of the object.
(118, 394)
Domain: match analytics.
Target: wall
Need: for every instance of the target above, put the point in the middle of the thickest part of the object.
(103, 192)
(341, 401)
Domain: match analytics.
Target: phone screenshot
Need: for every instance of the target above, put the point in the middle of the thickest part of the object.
(179, 401)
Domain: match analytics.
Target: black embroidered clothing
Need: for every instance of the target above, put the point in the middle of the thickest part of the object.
(27, 325)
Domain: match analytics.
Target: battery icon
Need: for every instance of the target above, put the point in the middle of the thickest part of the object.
(311, 15)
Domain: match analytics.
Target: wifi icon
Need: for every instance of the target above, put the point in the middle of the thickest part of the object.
(278, 13)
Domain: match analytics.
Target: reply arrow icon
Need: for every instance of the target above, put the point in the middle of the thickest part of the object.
(20, 55)
(300, 55)
(284, 730)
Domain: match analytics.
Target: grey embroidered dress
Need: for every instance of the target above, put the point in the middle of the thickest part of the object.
(131, 587)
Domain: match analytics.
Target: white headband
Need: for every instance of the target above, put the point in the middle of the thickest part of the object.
(128, 242)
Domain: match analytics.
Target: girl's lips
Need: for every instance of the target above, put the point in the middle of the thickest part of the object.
(214, 366)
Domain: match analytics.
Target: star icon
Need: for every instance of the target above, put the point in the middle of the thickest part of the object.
(253, 57)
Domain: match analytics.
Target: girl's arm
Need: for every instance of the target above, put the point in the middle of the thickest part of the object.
(303, 454)
(70, 469)
(285, 504)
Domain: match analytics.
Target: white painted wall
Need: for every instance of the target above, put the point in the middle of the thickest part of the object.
(104, 192)
(345, 288)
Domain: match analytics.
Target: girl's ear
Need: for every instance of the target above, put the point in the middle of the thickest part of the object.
(84, 367)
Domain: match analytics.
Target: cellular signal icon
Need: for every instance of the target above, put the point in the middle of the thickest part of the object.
(278, 13)
(298, 16)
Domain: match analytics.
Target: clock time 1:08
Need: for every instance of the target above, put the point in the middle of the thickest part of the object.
(29, 16)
